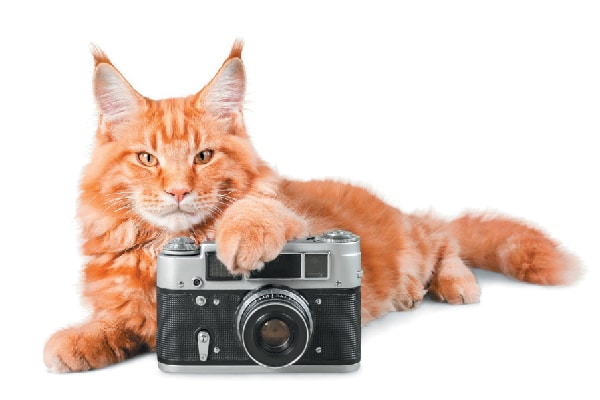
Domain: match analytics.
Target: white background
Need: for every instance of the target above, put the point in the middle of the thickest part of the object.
(443, 105)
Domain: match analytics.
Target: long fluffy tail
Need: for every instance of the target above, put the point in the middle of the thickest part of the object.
(517, 250)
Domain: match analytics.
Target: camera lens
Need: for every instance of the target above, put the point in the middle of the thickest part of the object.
(274, 334)
(274, 326)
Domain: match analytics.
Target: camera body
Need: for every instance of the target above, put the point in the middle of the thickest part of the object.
(298, 313)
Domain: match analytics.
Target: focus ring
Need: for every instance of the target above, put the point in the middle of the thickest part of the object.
(280, 305)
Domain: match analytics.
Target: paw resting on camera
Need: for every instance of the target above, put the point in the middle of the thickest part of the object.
(253, 231)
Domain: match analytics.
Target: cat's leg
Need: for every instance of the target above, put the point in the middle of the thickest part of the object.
(378, 300)
(121, 291)
(410, 294)
(391, 283)
(254, 230)
(93, 344)
(453, 281)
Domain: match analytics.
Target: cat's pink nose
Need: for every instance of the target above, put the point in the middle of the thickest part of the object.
(178, 194)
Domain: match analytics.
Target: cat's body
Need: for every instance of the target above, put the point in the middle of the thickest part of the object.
(185, 166)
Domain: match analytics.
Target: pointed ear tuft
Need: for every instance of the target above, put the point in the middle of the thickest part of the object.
(236, 49)
(224, 95)
(117, 101)
(99, 55)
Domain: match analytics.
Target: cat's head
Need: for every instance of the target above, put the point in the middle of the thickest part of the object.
(173, 163)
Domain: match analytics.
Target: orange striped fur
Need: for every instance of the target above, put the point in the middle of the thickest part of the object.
(185, 166)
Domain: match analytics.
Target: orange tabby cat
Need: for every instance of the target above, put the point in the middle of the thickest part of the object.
(185, 166)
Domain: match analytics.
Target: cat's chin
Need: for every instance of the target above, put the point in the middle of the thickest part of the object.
(175, 222)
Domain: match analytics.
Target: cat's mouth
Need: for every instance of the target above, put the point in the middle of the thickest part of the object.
(178, 216)
(177, 210)
(174, 218)
(184, 207)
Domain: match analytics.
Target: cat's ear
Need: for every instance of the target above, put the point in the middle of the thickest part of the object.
(224, 95)
(117, 100)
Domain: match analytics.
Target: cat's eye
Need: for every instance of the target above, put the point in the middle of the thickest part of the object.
(203, 157)
(147, 159)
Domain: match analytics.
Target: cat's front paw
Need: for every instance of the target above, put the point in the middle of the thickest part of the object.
(77, 349)
(253, 231)
(94, 344)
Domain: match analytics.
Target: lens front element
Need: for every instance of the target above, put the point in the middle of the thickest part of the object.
(274, 334)
(274, 326)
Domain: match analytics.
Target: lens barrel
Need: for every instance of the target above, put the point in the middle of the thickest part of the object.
(274, 325)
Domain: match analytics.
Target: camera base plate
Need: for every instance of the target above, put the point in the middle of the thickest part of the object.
(254, 369)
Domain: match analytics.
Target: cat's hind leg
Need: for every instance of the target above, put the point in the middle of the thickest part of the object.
(453, 281)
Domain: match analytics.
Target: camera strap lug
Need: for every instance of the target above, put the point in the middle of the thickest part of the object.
(203, 345)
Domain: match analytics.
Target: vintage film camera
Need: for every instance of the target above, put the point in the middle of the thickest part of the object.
(299, 313)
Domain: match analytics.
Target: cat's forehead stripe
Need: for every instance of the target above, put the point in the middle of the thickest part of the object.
(172, 122)
(151, 139)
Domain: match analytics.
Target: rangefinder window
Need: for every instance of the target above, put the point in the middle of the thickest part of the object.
(285, 266)
(217, 271)
(315, 266)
